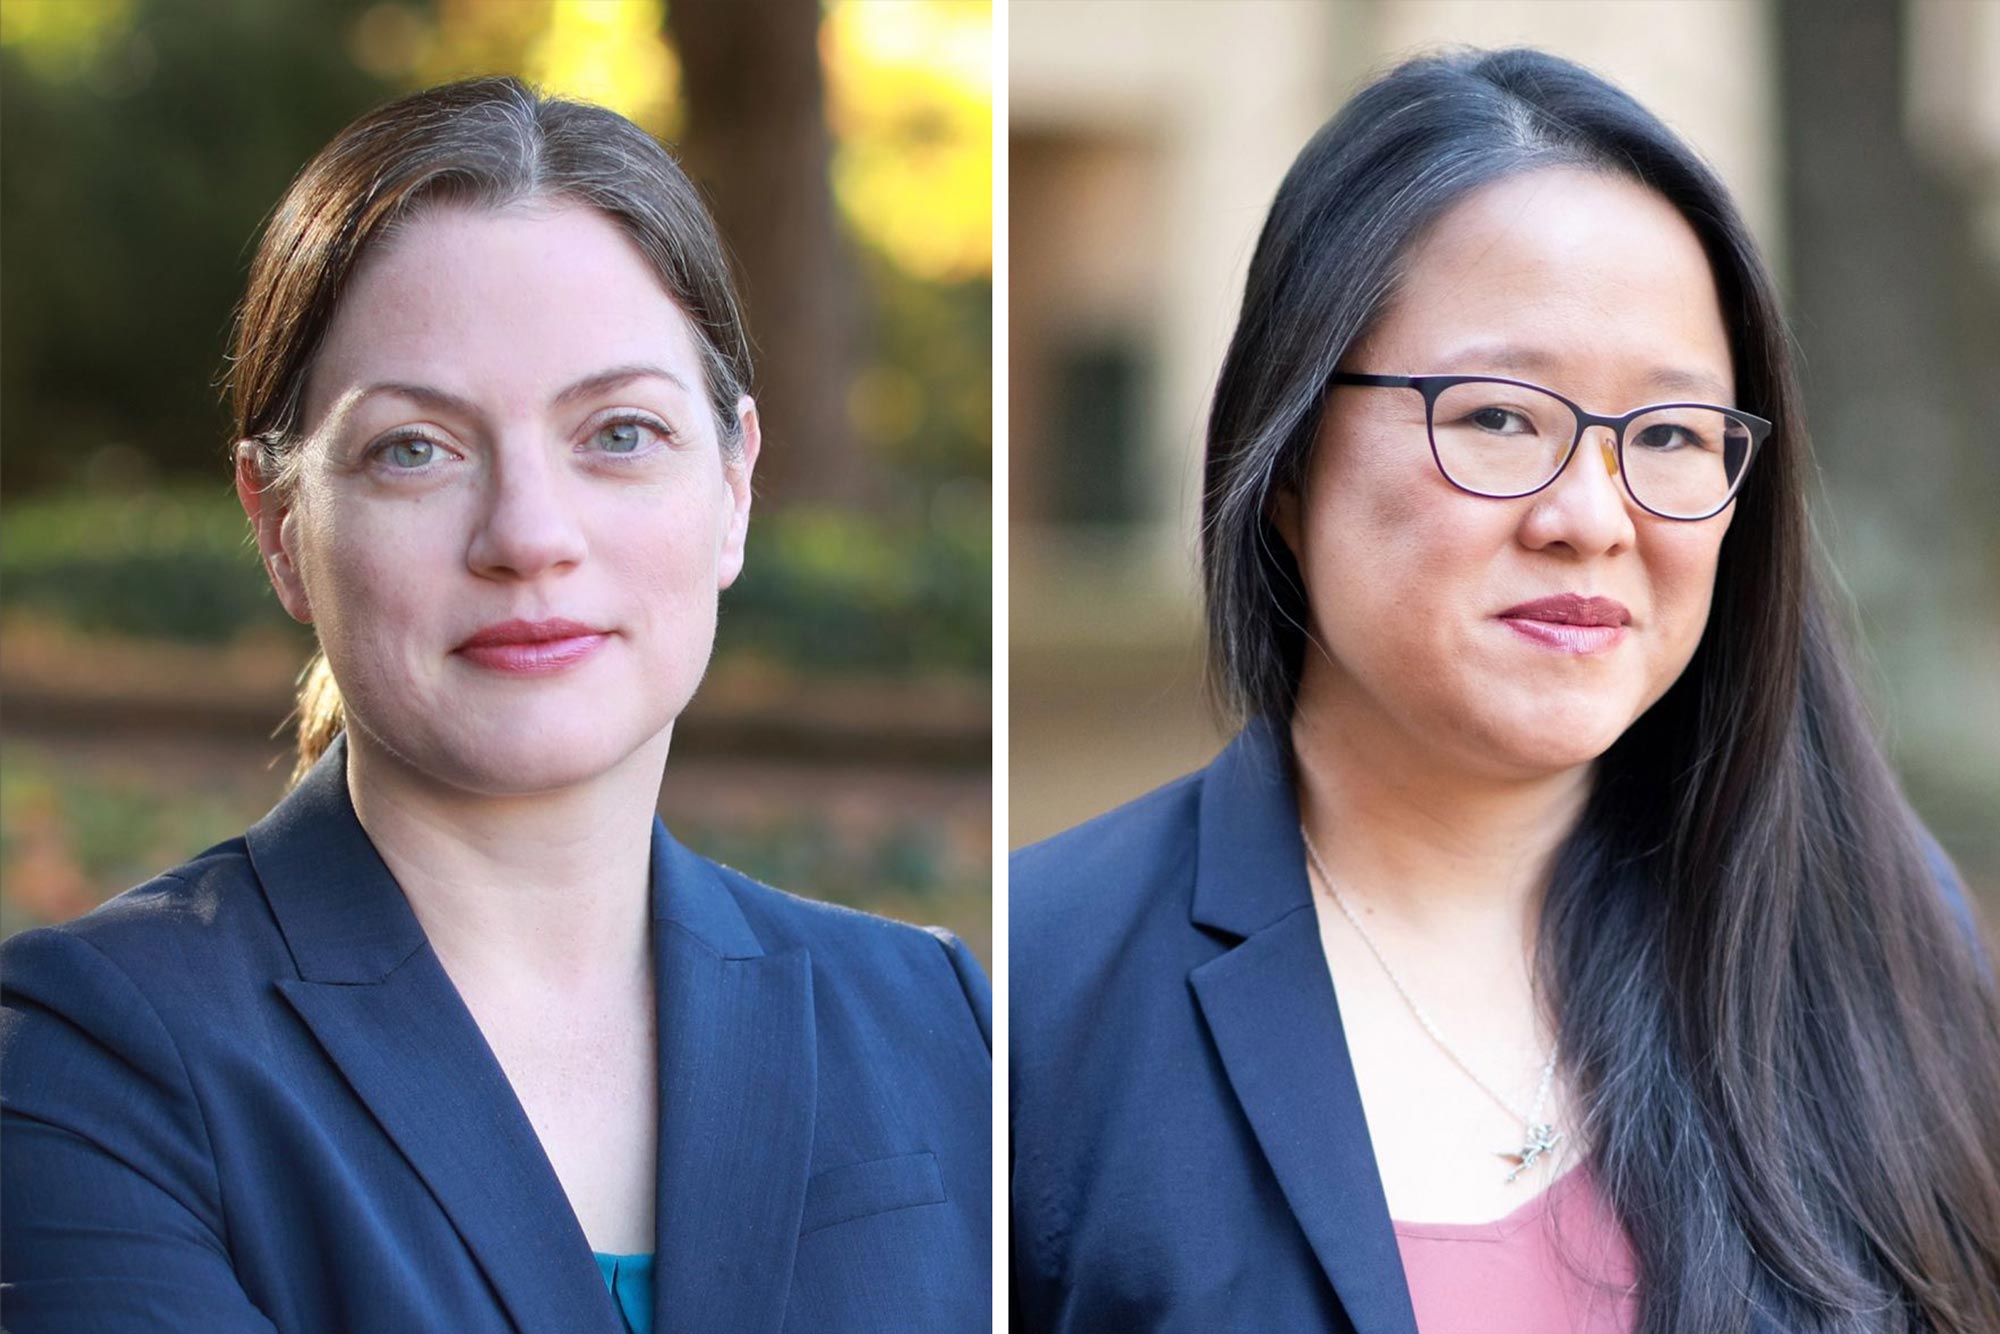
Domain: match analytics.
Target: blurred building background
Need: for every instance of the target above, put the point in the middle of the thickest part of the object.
(1146, 140)
(841, 744)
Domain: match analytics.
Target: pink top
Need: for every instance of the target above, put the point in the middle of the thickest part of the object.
(1559, 1264)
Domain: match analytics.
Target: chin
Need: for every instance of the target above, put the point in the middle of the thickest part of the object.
(522, 752)
(514, 770)
(1549, 736)
(564, 752)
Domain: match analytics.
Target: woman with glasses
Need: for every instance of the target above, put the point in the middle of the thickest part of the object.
(1552, 949)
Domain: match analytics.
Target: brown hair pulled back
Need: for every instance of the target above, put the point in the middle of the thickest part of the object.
(481, 143)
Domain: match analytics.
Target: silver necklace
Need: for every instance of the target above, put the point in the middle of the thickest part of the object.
(1542, 1136)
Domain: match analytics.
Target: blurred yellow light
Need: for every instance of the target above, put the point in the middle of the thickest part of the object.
(613, 54)
(389, 40)
(60, 38)
(909, 101)
(476, 37)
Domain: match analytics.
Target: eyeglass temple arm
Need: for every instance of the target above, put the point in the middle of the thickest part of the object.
(1379, 381)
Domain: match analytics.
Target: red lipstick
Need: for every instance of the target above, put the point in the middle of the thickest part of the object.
(1569, 622)
(532, 648)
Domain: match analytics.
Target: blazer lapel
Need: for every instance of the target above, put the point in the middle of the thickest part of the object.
(738, 1090)
(1270, 1007)
(382, 1007)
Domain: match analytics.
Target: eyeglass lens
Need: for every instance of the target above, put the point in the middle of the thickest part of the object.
(1507, 440)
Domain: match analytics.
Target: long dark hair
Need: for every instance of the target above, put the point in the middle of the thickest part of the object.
(1772, 1005)
(482, 143)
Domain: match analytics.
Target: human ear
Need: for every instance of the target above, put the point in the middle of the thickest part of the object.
(736, 470)
(270, 523)
(1283, 512)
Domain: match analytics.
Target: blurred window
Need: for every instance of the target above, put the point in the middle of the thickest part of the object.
(1096, 421)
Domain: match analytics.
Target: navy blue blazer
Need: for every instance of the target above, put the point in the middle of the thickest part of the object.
(1189, 1147)
(246, 1096)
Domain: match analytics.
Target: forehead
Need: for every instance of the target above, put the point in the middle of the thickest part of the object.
(1584, 275)
(500, 306)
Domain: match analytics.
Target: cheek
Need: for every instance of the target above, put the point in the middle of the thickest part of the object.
(1683, 568)
(372, 571)
(662, 547)
(1387, 551)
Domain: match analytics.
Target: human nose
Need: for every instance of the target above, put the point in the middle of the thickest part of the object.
(527, 525)
(1585, 508)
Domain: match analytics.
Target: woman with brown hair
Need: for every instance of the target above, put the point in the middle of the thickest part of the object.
(1552, 950)
(459, 1037)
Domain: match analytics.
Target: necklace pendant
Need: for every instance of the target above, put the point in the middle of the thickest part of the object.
(1541, 1139)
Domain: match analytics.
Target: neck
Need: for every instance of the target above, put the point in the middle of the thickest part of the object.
(549, 889)
(1435, 847)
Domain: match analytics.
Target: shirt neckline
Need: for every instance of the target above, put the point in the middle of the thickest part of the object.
(1496, 1229)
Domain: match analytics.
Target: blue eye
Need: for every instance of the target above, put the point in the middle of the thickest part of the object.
(410, 452)
(627, 436)
(619, 437)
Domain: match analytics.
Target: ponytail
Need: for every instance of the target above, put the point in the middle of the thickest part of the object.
(319, 713)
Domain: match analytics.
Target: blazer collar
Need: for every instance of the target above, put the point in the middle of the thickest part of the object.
(1249, 868)
(341, 911)
(346, 919)
(737, 1075)
(1270, 1007)
(689, 894)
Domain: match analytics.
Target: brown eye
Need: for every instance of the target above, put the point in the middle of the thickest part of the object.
(1671, 435)
(1501, 421)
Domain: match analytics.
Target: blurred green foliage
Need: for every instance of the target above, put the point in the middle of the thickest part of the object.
(136, 176)
(72, 834)
(913, 860)
(821, 589)
(174, 564)
(924, 402)
(119, 832)
(831, 589)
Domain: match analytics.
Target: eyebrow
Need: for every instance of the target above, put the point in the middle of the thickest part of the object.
(1526, 360)
(432, 397)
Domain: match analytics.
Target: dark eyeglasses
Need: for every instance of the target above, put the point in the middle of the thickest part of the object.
(1505, 439)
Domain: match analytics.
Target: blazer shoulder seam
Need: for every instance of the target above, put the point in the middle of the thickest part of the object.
(958, 958)
(740, 884)
(1152, 805)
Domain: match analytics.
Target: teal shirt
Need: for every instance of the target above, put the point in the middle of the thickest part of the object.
(630, 1278)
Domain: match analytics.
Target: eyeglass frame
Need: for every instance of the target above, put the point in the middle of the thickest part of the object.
(1433, 386)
